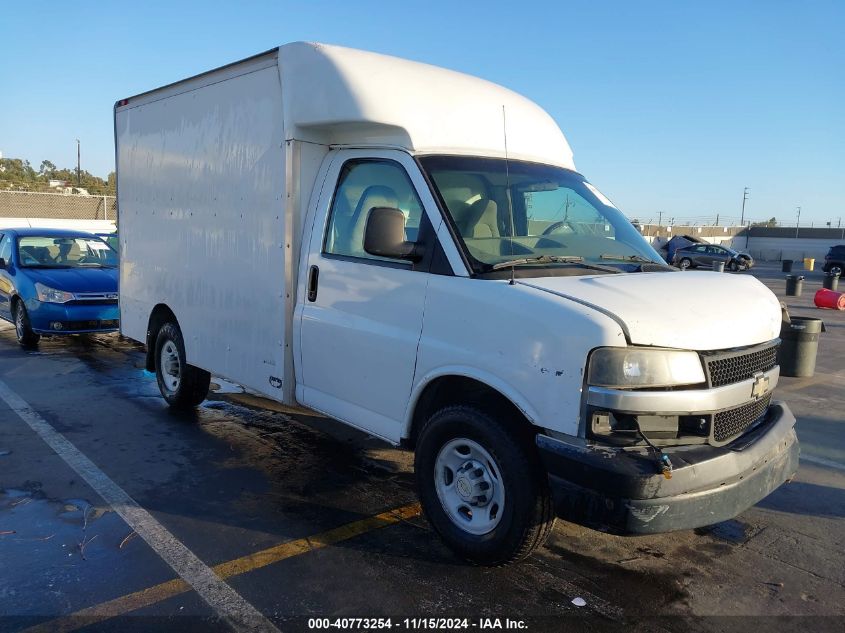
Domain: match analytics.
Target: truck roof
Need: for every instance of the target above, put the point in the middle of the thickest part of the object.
(343, 96)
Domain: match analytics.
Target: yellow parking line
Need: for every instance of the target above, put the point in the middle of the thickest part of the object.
(300, 546)
(163, 591)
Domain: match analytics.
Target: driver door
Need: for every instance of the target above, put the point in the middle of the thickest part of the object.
(5, 280)
(362, 315)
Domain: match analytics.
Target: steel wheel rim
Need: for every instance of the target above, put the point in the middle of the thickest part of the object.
(469, 485)
(170, 367)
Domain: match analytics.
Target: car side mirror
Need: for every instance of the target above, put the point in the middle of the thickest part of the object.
(384, 235)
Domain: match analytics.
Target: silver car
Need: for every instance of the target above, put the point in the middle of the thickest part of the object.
(708, 255)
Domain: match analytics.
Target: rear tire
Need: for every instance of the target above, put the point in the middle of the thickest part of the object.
(23, 329)
(183, 386)
(481, 486)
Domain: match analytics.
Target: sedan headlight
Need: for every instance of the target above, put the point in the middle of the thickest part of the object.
(628, 367)
(51, 295)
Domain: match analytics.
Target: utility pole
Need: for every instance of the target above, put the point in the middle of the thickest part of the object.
(660, 218)
(798, 221)
(744, 198)
(78, 170)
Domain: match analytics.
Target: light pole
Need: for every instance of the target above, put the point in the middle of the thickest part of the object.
(78, 171)
(798, 221)
(744, 198)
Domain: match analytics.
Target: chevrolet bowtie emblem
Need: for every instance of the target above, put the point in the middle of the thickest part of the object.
(760, 386)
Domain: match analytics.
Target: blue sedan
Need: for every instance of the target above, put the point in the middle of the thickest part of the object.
(57, 282)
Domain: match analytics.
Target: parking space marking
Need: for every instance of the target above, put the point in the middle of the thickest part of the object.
(821, 461)
(163, 591)
(224, 600)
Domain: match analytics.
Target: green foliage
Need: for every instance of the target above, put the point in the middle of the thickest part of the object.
(18, 175)
(769, 222)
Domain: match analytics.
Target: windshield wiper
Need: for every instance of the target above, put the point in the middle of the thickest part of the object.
(554, 259)
(45, 266)
(642, 261)
(630, 258)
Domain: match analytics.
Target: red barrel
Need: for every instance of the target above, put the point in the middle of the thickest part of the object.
(829, 299)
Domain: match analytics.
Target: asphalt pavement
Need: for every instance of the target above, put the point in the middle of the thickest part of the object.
(118, 514)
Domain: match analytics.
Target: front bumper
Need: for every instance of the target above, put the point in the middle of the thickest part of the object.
(75, 318)
(620, 491)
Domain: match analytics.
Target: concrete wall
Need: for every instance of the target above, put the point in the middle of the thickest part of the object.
(771, 244)
(775, 249)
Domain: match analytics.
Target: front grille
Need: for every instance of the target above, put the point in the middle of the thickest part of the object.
(107, 324)
(92, 302)
(732, 422)
(725, 369)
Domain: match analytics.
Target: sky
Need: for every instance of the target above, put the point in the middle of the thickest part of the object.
(670, 107)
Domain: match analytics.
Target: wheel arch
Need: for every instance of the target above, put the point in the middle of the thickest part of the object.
(460, 385)
(160, 315)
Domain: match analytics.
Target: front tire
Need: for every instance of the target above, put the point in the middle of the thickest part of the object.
(23, 329)
(182, 385)
(481, 486)
(685, 263)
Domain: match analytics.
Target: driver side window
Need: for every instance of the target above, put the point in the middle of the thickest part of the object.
(362, 186)
(6, 248)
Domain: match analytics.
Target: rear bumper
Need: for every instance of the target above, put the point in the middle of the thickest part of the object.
(621, 492)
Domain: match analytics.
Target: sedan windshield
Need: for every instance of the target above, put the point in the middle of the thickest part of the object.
(65, 252)
(530, 214)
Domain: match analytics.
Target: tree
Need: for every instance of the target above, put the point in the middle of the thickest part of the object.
(47, 168)
(18, 174)
(769, 222)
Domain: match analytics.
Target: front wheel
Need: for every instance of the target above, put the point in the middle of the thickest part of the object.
(481, 486)
(23, 329)
(182, 385)
(685, 263)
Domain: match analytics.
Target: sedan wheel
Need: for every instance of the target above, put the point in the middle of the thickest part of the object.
(23, 330)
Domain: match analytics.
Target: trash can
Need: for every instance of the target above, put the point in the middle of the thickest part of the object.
(719, 267)
(831, 281)
(787, 266)
(794, 285)
(825, 298)
(799, 346)
(809, 263)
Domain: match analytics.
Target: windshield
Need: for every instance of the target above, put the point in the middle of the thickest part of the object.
(65, 252)
(557, 215)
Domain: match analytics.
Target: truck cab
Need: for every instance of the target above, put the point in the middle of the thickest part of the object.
(412, 252)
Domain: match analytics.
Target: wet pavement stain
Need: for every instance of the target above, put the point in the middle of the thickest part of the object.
(732, 531)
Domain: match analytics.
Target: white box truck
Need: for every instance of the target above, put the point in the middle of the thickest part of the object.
(411, 251)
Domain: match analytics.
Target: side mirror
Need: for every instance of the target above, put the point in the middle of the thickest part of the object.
(384, 235)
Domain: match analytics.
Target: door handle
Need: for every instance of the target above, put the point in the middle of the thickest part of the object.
(313, 280)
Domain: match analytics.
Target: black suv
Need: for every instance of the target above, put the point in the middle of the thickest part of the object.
(835, 258)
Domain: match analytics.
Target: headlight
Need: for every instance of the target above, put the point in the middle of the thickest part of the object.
(51, 295)
(627, 367)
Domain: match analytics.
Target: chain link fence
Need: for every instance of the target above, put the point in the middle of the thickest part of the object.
(57, 206)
